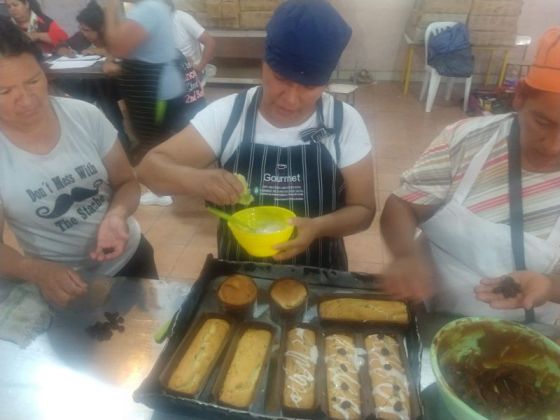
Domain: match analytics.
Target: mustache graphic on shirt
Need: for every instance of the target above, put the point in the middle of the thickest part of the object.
(65, 201)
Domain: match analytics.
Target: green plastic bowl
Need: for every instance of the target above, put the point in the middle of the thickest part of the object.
(460, 338)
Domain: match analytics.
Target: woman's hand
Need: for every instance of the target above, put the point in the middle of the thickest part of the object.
(59, 284)
(39, 37)
(307, 230)
(110, 68)
(536, 289)
(219, 187)
(66, 52)
(33, 36)
(410, 278)
(95, 51)
(112, 237)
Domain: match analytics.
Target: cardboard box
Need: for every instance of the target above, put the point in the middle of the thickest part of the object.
(229, 23)
(214, 9)
(443, 6)
(491, 23)
(418, 22)
(259, 5)
(254, 20)
(190, 6)
(493, 38)
(422, 20)
(497, 7)
(230, 9)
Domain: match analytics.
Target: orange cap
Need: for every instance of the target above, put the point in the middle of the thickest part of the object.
(544, 74)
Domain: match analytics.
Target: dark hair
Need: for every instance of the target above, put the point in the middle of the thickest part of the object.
(92, 16)
(34, 6)
(13, 42)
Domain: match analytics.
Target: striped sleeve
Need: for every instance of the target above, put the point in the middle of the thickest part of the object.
(429, 181)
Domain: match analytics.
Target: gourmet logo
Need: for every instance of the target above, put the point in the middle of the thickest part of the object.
(281, 178)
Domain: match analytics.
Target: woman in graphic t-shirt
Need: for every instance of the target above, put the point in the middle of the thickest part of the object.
(67, 191)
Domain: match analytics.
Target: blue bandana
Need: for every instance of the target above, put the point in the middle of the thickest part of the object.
(305, 39)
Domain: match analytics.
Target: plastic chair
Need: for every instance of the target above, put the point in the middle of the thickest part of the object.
(432, 78)
(346, 90)
(338, 88)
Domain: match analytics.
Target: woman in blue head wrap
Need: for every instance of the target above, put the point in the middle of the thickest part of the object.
(296, 145)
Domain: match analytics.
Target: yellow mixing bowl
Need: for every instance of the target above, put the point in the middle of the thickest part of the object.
(261, 228)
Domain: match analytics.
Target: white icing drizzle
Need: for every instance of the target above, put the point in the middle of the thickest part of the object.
(337, 376)
(384, 380)
(302, 378)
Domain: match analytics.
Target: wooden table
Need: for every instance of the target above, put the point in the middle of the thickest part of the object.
(520, 41)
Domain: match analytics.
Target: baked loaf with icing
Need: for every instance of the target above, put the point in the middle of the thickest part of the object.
(363, 309)
(343, 384)
(389, 383)
(300, 363)
(200, 357)
(238, 389)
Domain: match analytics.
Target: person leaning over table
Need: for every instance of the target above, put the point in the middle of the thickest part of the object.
(67, 191)
(40, 28)
(90, 40)
(159, 96)
(151, 81)
(457, 193)
(297, 147)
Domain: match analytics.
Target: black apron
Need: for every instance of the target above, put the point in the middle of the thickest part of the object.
(139, 83)
(304, 179)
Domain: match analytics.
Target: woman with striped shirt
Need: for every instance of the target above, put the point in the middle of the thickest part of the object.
(486, 196)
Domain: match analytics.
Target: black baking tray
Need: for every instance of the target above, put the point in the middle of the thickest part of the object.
(201, 300)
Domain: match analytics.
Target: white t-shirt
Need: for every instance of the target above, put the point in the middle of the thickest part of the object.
(354, 139)
(186, 31)
(54, 203)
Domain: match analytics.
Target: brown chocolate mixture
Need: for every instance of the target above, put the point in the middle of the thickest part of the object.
(497, 384)
(508, 287)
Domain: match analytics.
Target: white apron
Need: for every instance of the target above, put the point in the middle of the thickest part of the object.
(466, 248)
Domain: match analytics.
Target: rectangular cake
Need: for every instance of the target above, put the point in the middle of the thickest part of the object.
(389, 383)
(343, 383)
(198, 360)
(363, 309)
(300, 362)
(241, 379)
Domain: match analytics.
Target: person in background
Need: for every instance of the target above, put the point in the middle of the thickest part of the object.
(461, 194)
(296, 145)
(90, 39)
(67, 191)
(40, 28)
(152, 79)
(196, 44)
(104, 92)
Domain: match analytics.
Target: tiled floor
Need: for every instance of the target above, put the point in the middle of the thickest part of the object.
(184, 233)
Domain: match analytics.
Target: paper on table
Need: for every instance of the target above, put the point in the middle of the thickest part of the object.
(60, 65)
(78, 57)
